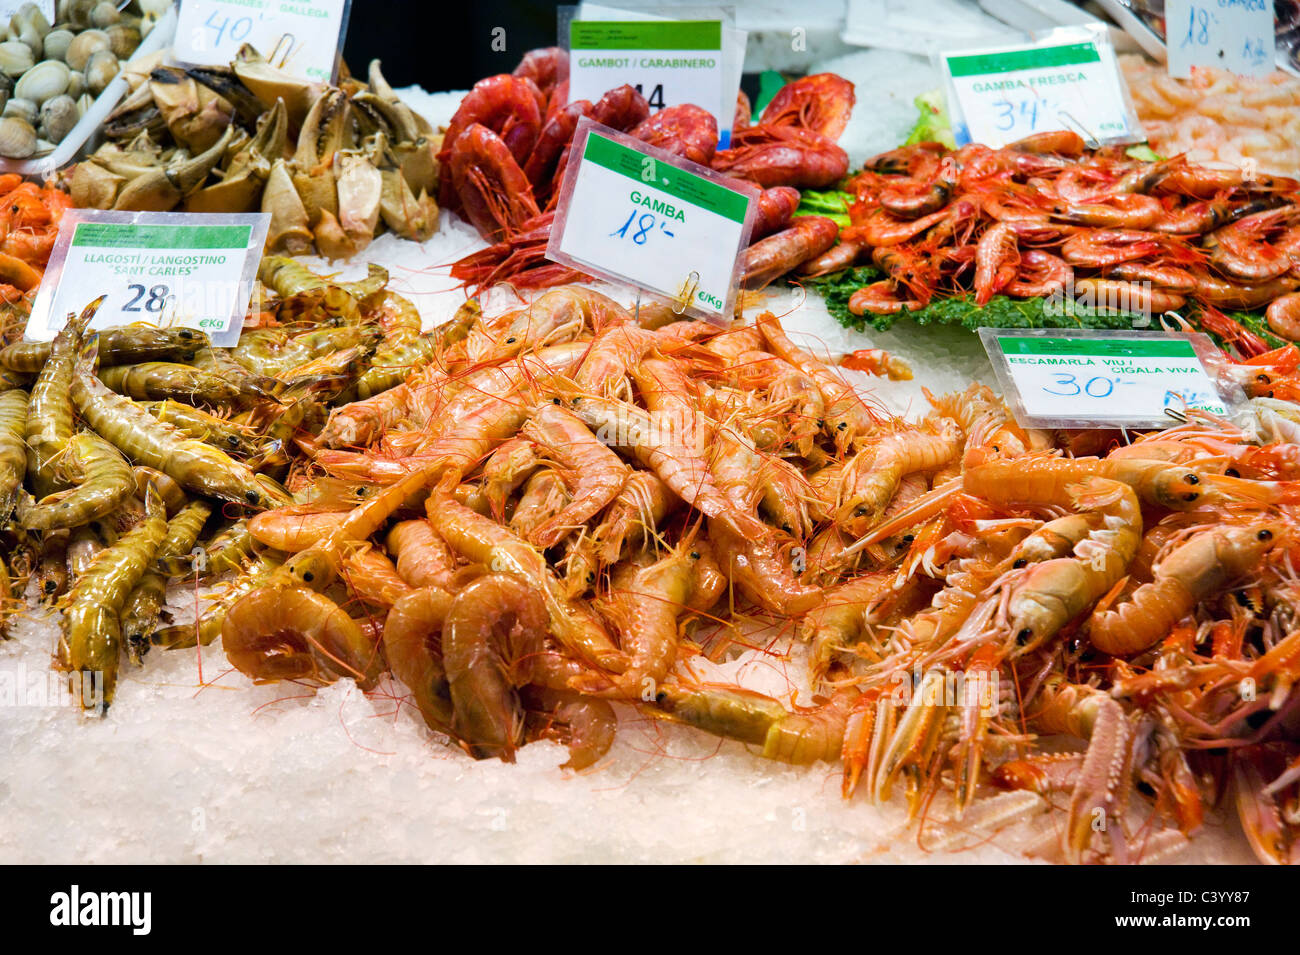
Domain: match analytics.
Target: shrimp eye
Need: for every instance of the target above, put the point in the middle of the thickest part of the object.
(1020, 562)
(555, 401)
(1024, 636)
(821, 422)
(308, 576)
(1193, 479)
(251, 497)
(50, 586)
(1190, 496)
(661, 697)
(841, 426)
(786, 528)
(859, 511)
(591, 577)
(1263, 379)
(695, 555)
(510, 340)
(185, 333)
(908, 538)
(1232, 472)
(1264, 535)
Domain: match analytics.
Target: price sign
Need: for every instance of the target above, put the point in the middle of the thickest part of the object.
(1089, 379)
(668, 61)
(1009, 93)
(1235, 35)
(305, 35)
(161, 268)
(635, 214)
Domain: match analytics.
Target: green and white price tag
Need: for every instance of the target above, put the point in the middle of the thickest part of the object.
(161, 268)
(1008, 93)
(304, 35)
(668, 61)
(635, 214)
(1090, 379)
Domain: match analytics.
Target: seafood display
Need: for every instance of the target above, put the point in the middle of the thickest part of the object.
(29, 224)
(51, 73)
(332, 166)
(1217, 116)
(505, 152)
(1047, 218)
(135, 439)
(539, 514)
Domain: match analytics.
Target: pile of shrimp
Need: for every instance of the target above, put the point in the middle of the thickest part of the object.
(122, 449)
(507, 148)
(571, 502)
(562, 506)
(534, 524)
(1219, 116)
(29, 224)
(1045, 217)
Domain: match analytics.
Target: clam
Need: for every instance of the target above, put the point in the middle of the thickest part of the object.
(58, 116)
(34, 40)
(29, 16)
(15, 58)
(20, 109)
(123, 38)
(100, 70)
(76, 84)
(17, 138)
(76, 12)
(44, 80)
(83, 45)
(56, 44)
(104, 14)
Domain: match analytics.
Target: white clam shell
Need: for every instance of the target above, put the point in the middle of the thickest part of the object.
(100, 70)
(30, 15)
(17, 138)
(104, 13)
(46, 79)
(20, 109)
(83, 45)
(58, 116)
(57, 43)
(15, 58)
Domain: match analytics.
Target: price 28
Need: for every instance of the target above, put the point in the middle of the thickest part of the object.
(147, 300)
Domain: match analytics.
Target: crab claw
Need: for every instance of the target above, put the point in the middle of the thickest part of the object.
(159, 190)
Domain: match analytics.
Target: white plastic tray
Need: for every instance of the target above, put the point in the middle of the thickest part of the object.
(67, 150)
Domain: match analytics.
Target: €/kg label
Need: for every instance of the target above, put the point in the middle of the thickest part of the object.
(1235, 35)
(1123, 380)
(303, 35)
(635, 214)
(160, 268)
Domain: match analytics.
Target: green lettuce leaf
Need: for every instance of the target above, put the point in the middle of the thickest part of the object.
(934, 124)
(832, 204)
